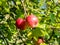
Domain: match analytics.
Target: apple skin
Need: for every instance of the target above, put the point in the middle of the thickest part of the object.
(20, 23)
(40, 40)
(32, 20)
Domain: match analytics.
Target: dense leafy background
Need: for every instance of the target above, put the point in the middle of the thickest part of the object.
(48, 13)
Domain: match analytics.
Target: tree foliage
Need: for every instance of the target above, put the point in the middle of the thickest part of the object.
(48, 13)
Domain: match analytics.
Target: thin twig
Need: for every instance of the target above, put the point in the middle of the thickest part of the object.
(24, 6)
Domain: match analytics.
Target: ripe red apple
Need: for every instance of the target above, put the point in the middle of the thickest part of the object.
(32, 20)
(20, 23)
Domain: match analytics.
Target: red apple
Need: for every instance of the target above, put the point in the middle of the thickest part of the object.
(40, 40)
(32, 20)
(20, 23)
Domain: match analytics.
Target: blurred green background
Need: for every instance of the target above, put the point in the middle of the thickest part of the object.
(48, 13)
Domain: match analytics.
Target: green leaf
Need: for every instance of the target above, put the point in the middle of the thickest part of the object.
(36, 32)
(43, 44)
(52, 17)
(57, 32)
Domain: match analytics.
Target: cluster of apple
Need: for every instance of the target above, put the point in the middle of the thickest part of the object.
(30, 20)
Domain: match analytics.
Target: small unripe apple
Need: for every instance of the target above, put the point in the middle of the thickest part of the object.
(32, 20)
(20, 23)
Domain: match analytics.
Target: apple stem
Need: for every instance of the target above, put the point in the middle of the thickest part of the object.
(24, 6)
